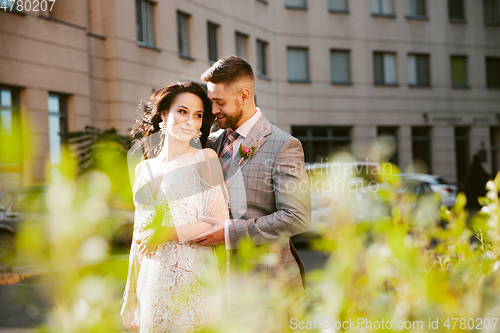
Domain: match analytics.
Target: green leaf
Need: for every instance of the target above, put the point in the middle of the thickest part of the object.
(483, 201)
(240, 150)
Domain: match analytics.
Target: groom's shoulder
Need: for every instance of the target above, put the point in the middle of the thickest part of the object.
(278, 135)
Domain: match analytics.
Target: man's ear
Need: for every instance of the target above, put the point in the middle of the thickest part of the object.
(245, 95)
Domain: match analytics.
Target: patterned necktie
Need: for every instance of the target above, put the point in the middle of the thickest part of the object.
(227, 152)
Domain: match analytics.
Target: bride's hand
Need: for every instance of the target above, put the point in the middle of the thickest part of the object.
(150, 238)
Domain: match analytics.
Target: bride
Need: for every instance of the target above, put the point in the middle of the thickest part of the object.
(172, 285)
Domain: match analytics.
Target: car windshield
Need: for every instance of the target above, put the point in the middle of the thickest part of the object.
(30, 201)
(5, 199)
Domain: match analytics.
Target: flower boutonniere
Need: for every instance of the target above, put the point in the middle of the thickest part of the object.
(247, 152)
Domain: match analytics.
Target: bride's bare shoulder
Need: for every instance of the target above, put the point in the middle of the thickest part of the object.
(140, 168)
(205, 154)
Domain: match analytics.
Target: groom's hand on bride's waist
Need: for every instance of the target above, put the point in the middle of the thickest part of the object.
(213, 236)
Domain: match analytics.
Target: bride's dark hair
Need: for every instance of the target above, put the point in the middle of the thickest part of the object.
(161, 101)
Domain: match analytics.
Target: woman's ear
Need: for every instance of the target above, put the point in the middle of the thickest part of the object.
(163, 116)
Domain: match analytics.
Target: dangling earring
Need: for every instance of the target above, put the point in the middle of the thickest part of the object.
(197, 137)
(163, 127)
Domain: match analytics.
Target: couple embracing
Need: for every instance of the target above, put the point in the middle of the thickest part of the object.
(247, 185)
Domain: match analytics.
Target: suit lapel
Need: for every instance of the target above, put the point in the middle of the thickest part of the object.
(215, 140)
(255, 138)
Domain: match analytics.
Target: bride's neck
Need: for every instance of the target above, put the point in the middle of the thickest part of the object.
(172, 148)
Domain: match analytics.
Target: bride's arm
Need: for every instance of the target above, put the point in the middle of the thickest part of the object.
(214, 198)
(215, 205)
(129, 305)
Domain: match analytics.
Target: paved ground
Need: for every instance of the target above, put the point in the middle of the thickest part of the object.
(21, 308)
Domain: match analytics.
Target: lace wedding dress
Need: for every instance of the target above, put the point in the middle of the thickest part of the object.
(179, 286)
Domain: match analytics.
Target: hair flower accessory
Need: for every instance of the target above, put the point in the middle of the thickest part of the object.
(247, 152)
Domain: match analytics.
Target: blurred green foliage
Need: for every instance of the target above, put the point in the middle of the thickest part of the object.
(422, 264)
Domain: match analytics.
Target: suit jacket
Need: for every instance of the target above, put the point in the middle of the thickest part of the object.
(269, 200)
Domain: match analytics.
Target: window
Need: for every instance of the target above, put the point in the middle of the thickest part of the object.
(338, 6)
(387, 138)
(416, 9)
(491, 10)
(495, 148)
(493, 72)
(459, 71)
(262, 58)
(462, 152)
(298, 64)
(418, 70)
(213, 45)
(11, 151)
(340, 66)
(145, 22)
(296, 4)
(456, 11)
(384, 68)
(382, 7)
(58, 125)
(184, 34)
(421, 147)
(242, 45)
(321, 142)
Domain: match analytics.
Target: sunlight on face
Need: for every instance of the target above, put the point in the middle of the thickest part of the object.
(185, 116)
(226, 105)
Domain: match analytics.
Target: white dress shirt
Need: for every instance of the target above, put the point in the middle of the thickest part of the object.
(243, 131)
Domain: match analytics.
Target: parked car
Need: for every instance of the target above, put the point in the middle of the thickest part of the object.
(344, 191)
(29, 204)
(359, 195)
(448, 192)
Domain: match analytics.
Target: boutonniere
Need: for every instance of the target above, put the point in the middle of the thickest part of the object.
(247, 152)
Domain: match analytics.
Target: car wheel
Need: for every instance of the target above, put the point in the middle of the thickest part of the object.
(6, 244)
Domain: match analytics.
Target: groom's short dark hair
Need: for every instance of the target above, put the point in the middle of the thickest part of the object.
(228, 70)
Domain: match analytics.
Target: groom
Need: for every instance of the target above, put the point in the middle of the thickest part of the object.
(267, 183)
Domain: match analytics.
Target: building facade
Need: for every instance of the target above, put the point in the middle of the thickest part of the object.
(337, 74)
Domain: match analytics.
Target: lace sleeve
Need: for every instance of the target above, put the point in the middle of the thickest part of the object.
(215, 200)
(215, 194)
(133, 267)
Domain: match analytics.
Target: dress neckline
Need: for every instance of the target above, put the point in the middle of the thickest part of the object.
(155, 200)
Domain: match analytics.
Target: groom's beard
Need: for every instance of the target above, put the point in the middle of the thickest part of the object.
(231, 120)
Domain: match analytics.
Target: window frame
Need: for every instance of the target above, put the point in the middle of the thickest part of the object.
(63, 116)
(381, 14)
(495, 22)
(148, 23)
(332, 138)
(466, 71)
(265, 57)
(456, 19)
(488, 85)
(414, 16)
(418, 84)
(419, 137)
(307, 80)
(216, 27)
(296, 7)
(244, 38)
(349, 82)
(338, 11)
(384, 83)
(183, 36)
(13, 163)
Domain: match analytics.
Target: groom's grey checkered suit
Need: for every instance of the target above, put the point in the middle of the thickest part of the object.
(269, 199)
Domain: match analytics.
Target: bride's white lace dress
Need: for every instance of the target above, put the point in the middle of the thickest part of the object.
(178, 287)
